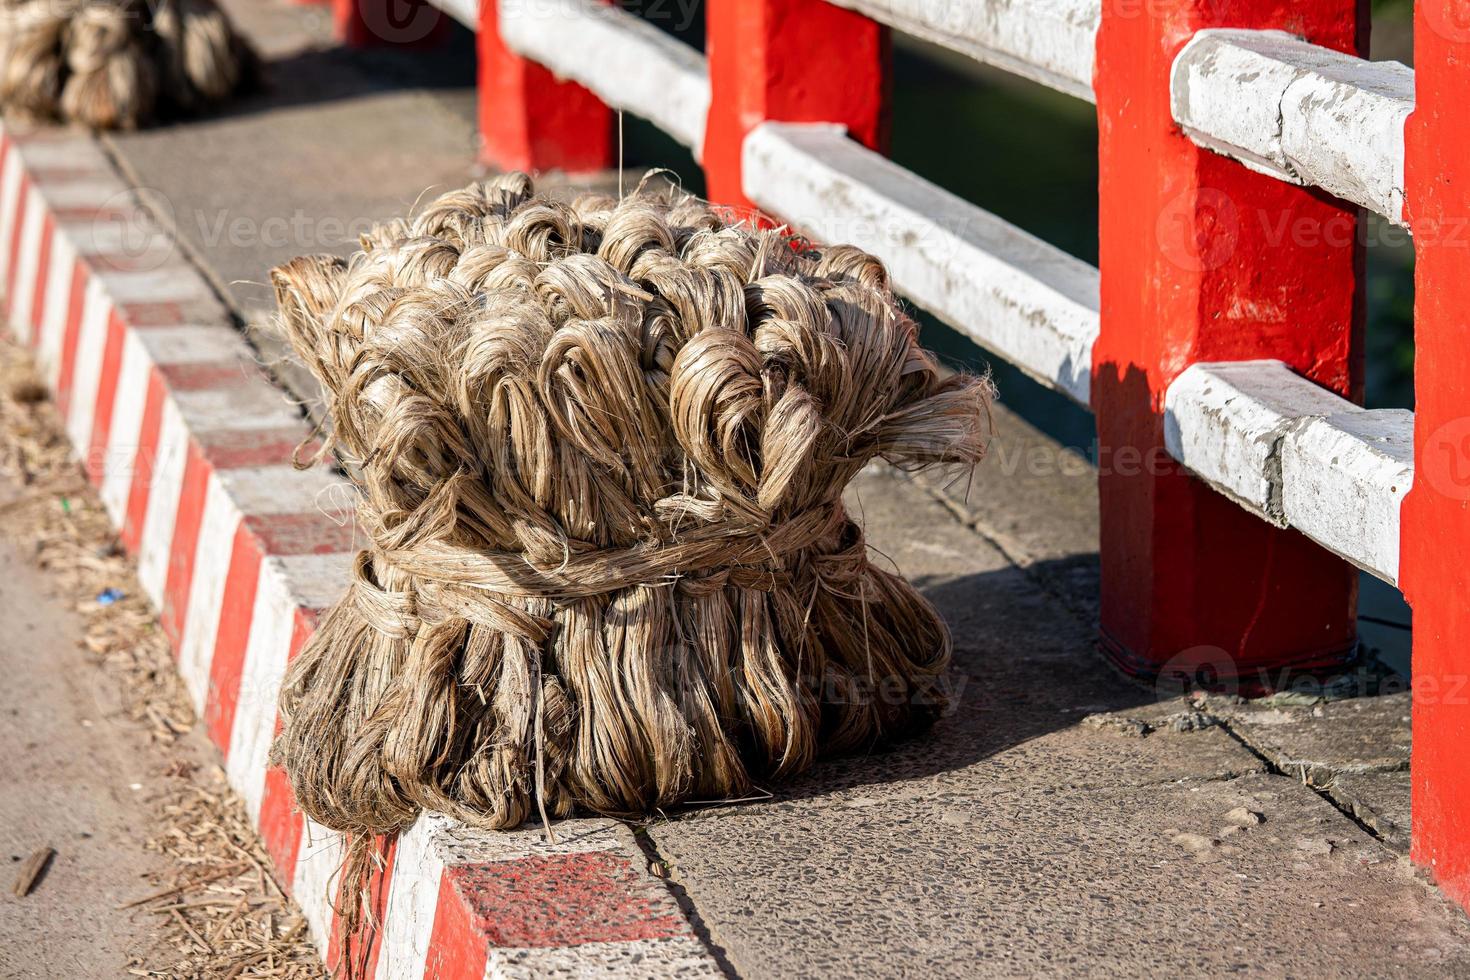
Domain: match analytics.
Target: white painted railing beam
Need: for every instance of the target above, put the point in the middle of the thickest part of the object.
(1027, 301)
(467, 12)
(625, 61)
(1298, 112)
(1297, 455)
(1047, 41)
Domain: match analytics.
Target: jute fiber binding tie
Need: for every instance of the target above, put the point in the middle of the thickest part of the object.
(601, 449)
(601, 572)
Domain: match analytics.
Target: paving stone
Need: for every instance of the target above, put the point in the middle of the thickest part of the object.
(1060, 819)
(1119, 881)
(336, 141)
(1380, 800)
(1037, 501)
(1356, 735)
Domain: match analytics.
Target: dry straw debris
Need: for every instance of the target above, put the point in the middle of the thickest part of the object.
(601, 449)
(118, 64)
(216, 911)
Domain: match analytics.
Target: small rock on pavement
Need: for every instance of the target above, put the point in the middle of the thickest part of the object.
(1118, 725)
(1244, 817)
(1195, 843)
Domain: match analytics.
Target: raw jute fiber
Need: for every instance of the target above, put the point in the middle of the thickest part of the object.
(601, 449)
(117, 64)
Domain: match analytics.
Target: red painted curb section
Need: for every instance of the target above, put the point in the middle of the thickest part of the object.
(189, 445)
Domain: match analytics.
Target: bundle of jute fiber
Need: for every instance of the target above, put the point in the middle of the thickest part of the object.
(118, 64)
(601, 449)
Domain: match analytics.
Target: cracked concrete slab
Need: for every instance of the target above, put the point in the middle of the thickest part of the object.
(1060, 820)
(1118, 881)
(1354, 750)
(1381, 800)
(1024, 665)
(1355, 735)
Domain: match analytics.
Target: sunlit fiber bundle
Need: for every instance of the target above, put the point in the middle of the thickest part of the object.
(117, 64)
(601, 449)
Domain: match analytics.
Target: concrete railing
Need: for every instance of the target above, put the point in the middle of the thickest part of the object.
(626, 62)
(1299, 112)
(1219, 342)
(1297, 455)
(1047, 41)
(1028, 301)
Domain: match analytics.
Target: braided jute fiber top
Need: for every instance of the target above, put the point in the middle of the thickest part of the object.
(117, 64)
(601, 448)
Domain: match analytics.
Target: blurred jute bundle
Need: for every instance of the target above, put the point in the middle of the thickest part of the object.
(117, 64)
(601, 450)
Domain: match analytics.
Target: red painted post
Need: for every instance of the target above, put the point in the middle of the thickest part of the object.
(1435, 541)
(528, 119)
(1203, 260)
(387, 23)
(792, 61)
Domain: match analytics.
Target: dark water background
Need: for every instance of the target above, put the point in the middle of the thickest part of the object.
(1029, 155)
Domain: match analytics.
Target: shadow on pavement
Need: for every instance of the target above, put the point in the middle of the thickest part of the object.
(1023, 667)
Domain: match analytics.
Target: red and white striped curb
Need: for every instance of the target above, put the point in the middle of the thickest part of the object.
(189, 444)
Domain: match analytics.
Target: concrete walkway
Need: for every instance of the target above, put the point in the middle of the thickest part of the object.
(1060, 819)
(73, 777)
